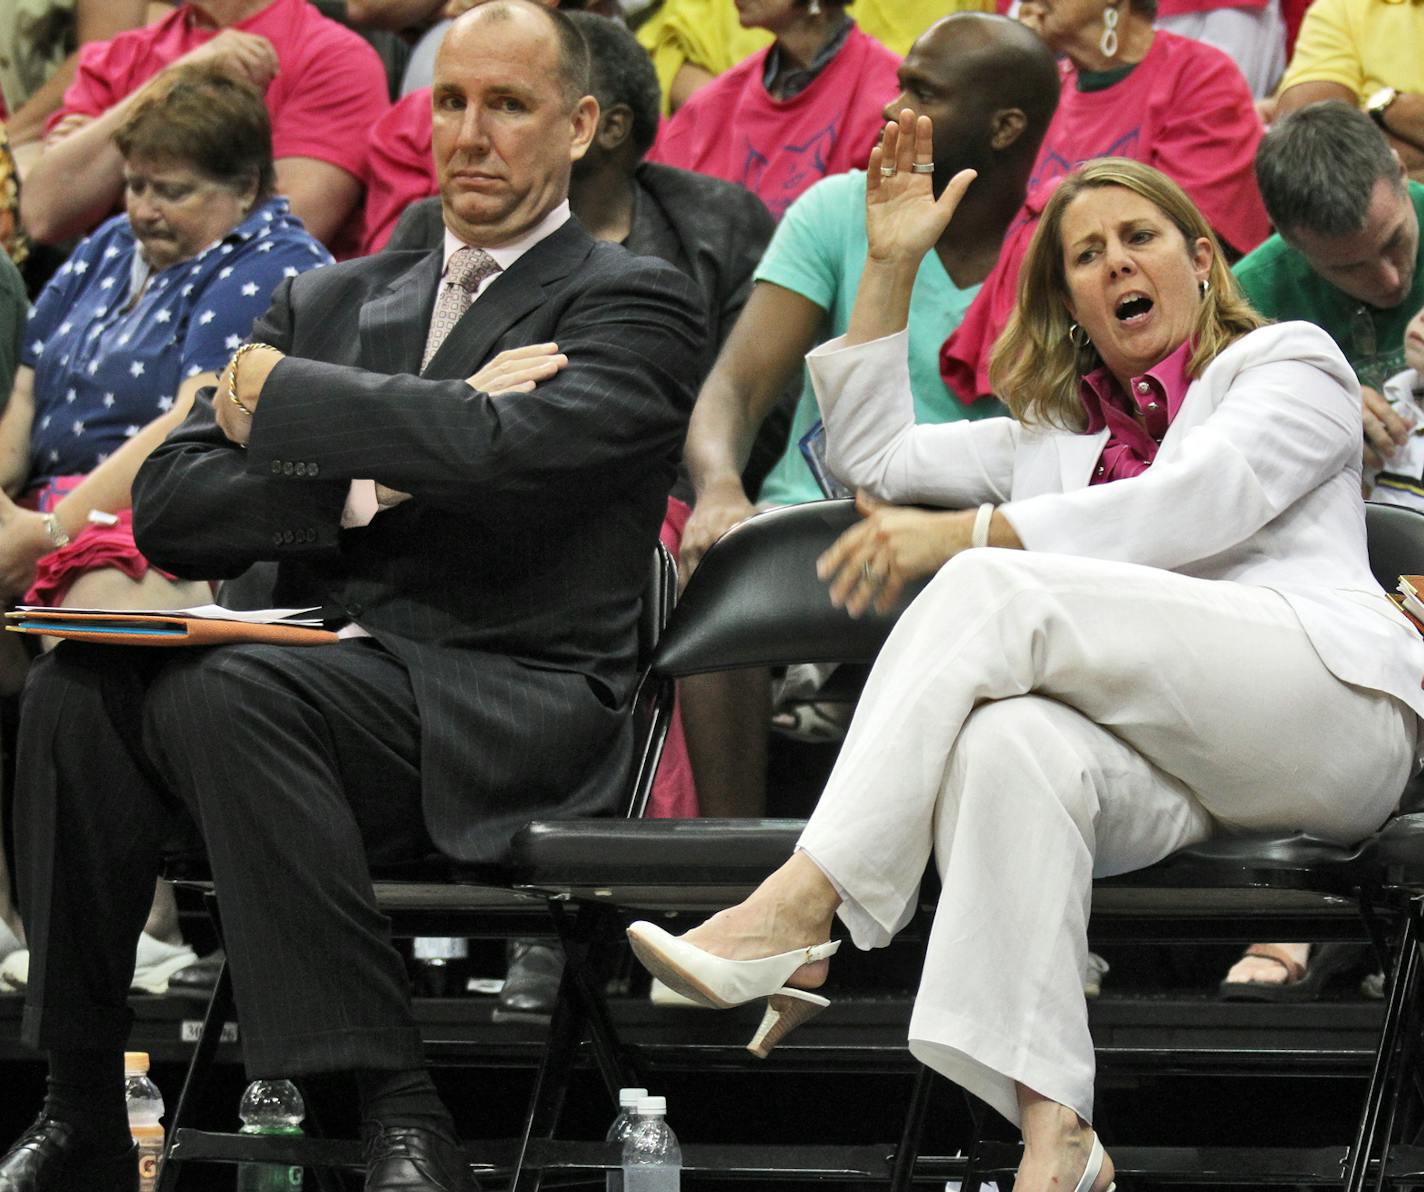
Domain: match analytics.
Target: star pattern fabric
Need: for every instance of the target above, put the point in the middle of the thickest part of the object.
(110, 368)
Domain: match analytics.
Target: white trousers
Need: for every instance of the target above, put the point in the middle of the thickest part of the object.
(1038, 720)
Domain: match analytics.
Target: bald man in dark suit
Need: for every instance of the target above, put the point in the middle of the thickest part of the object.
(468, 453)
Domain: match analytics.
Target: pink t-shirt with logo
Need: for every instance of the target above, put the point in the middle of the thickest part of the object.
(733, 129)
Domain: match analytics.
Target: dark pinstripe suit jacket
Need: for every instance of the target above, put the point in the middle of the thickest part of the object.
(509, 584)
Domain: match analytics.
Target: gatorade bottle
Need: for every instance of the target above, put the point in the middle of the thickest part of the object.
(145, 1104)
(270, 1107)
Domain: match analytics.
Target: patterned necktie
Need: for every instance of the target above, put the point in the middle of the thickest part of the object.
(467, 269)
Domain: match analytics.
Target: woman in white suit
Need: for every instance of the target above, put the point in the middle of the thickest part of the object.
(1174, 631)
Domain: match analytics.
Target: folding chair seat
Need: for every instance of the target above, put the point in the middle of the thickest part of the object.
(754, 601)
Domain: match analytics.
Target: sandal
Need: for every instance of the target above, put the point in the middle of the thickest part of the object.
(815, 722)
(1304, 982)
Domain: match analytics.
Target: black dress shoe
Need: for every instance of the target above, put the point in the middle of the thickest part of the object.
(199, 979)
(45, 1159)
(406, 1159)
(531, 983)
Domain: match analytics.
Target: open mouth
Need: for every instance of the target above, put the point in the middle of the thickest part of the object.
(1132, 308)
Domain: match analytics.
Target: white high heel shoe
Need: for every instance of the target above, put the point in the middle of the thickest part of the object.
(1096, 1158)
(721, 984)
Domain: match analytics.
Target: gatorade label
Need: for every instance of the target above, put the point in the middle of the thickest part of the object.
(294, 1177)
(147, 1167)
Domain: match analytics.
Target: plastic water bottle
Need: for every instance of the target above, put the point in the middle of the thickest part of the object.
(145, 1104)
(270, 1107)
(618, 1132)
(652, 1160)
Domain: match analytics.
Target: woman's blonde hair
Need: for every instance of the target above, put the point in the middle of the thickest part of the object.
(1035, 366)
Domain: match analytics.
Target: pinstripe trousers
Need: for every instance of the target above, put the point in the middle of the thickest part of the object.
(297, 768)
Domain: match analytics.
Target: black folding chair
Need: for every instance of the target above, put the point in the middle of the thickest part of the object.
(755, 601)
(440, 897)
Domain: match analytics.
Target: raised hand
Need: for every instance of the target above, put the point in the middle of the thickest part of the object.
(242, 55)
(903, 219)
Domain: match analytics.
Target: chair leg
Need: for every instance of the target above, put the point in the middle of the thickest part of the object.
(903, 1173)
(219, 1009)
(327, 1180)
(566, 1029)
(979, 1115)
(585, 938)
(1402, 992)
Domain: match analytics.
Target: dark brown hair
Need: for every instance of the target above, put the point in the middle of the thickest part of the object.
(198, 117)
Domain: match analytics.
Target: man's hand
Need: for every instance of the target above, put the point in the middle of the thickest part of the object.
(1385, 429)
(518, 370)
(24, 540)
(871, 562)
(716, 511)
(253, 367)
(246, 56)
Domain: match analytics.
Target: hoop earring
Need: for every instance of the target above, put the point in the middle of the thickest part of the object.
(1078, 337)
(1108, 42)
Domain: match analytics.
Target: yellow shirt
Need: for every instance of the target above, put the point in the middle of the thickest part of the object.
(1362, 44)
(708, 34)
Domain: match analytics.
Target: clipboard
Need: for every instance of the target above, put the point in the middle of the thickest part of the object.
(117, 628)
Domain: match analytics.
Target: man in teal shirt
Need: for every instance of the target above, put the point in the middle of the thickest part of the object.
(1347, 255)
(990, 86)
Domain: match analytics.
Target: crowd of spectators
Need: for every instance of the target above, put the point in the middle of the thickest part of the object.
(168, 171)
(732, 142)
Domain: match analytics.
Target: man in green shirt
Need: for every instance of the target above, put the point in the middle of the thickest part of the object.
(1347, 255)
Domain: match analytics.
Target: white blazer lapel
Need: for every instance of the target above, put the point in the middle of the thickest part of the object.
(1077, 457)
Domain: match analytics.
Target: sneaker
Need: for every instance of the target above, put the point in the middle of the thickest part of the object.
(9, 941)
(1095, 968)
(15, 971)
(154, 963)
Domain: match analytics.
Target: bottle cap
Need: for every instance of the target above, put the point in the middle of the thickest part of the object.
(629, 1098)
(652, 1107)
(135, 1063)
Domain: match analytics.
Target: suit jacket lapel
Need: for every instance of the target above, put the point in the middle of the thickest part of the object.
(394, 324)
(507, 299)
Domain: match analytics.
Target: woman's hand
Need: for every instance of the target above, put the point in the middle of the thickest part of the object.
(871, 562)
(903, 219)
(24, 541)
(518, 370)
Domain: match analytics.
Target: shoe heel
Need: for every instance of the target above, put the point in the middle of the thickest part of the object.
(785, 1011)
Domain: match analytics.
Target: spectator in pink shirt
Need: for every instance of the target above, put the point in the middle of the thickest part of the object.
(1129, 90)
(807, 106)
(324, 88)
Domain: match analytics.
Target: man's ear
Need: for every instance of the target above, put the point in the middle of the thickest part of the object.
(584, 124)
(614, 127)
(1005, 127)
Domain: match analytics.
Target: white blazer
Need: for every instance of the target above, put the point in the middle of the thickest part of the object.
(1257, 480)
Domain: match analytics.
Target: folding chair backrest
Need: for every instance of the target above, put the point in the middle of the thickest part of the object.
(755, 599)
(1396, 542)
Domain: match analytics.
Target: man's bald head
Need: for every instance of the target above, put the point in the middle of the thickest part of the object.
(989, 84)
(575, 70)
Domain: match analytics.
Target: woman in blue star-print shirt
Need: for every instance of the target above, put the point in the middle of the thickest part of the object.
(145, 312)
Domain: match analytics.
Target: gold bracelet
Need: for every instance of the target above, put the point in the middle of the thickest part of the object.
(57, 536)
(232, 373)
